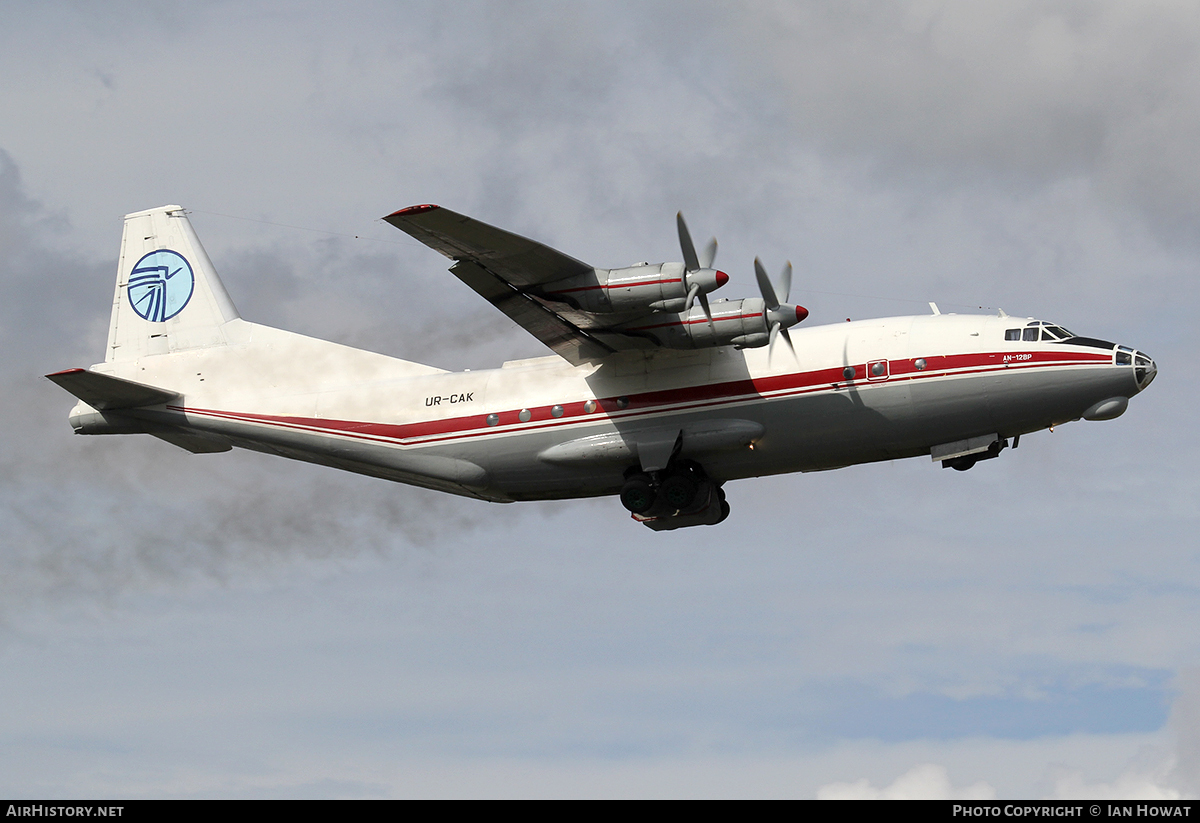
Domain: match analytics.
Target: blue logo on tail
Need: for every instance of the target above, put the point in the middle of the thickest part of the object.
(160, 285)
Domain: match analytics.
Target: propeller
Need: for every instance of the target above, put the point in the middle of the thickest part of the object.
(779, 314)
(700, 272)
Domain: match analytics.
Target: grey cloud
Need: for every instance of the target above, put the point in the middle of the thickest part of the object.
(1023, 92)
(1184, 726)
(89, 521)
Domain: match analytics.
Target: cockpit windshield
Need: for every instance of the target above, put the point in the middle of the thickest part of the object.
(1037, 330)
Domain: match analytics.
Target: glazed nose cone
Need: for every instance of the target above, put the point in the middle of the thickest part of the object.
(1144, 370)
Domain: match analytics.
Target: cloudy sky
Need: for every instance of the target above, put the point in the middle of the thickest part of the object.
(238, 626)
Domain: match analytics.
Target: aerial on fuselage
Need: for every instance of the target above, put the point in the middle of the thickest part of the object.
(656, 392)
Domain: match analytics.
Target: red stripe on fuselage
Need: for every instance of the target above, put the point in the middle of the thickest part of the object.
(732, 392)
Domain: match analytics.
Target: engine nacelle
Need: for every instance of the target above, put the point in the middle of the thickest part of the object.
(740, 320)
(663, 287)
(742, 323)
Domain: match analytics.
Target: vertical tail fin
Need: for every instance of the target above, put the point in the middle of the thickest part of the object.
(168, 296)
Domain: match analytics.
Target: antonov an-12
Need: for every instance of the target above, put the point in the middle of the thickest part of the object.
(654, 392)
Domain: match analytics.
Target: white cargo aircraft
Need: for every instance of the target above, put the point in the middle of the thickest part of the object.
(654, 393)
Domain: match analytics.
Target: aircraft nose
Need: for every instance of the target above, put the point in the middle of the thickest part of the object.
(1144, 369)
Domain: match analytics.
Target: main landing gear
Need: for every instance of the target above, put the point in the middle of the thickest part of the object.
(678, 496)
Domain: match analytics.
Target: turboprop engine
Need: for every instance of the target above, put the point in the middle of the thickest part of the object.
(747, 323)
(664, 287)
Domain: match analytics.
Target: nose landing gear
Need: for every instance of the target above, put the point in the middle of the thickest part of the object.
(678, 496)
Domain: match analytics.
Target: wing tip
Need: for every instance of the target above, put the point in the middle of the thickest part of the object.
(53, 375)
(413, 210)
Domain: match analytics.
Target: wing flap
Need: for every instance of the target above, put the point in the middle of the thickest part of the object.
(107, 393)
(564, 338)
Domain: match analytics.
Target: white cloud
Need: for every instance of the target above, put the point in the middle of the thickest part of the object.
(1029, 92)
(924, 782)
(1161, 771)
(1132, 785)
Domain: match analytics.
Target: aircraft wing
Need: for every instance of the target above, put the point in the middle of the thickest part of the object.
(518, 261)
(503, 267)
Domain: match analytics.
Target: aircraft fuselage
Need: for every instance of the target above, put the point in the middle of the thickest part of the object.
(661, 405)
(508, 433)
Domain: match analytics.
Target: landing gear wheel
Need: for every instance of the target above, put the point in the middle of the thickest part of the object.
(679, 491)
(724, 505)
(961, 464)
(638, 494)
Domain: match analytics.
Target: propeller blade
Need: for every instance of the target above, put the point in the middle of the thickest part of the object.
(764, 285)
(787, 282)
(685, 243)
(691, 296)
(777, 330)
(787, 338)
(707, 310)
(710, 254)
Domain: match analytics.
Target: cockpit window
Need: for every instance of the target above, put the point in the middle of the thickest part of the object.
(1037, 330)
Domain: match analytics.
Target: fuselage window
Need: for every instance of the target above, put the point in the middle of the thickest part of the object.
(1030, 335)
(1012, 334)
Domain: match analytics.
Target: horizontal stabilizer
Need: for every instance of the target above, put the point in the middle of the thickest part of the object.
(196, 444)
(105, 392)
